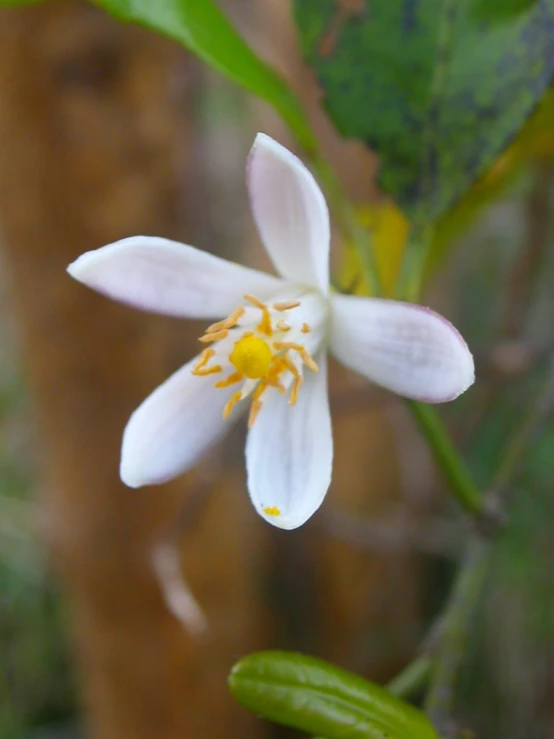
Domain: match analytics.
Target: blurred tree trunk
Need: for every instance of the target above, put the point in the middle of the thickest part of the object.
(95, 123)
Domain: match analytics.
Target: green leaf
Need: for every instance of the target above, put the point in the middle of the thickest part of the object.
(16, 3)
(321, 699)
(201, 27)
(437, 88)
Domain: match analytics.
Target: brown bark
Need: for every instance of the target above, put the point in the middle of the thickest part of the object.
(94, 125)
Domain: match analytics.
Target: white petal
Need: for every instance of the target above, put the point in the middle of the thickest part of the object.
(406, 348)
(167, 277)
(289, 453)
(173, 427)
(290, 213)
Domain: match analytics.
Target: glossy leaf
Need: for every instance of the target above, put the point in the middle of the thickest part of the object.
(437, 88)
(201, 27)
(324, 700)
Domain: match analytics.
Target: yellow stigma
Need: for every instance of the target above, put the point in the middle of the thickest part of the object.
(252, 357)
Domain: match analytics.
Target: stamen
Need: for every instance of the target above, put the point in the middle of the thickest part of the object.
(256, 302)
(282, 326)
(305, 355)
(296, 385)
(231, 403)
(306, 328)
(289, 364)
(208, 370)
(259, 390)
(229, 322)
(231, 380)
(203, 359)
(264, 326)
(200, 369)
(286, 305)
(214, 336)
(255, 408)
(274, 382)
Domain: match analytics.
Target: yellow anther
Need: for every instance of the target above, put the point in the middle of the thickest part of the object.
(203, 371)
(231, 380)
(214, 336)
(229, 322)
(304, 354)
(272, 510)
(255, 408)
(200, 369)
(296, 385)
(289, 364)
(252, 357)
(259, 390)
(264, 326)
(203, 359)
(256, 302)
(231, 403)
(282, 326)
(286, 305)
(306, 328)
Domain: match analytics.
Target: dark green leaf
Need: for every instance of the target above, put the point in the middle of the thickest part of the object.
(437, 88)
(319, 698)
(201, 27)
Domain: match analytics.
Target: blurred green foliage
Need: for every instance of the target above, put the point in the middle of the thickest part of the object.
(35, 677)
(436, 89)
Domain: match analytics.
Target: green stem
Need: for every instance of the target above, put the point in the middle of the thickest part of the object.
(448, 459)
(412, 678)
(414, 264)
(454, 630)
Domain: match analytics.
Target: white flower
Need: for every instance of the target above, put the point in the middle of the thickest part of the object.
(270, 353)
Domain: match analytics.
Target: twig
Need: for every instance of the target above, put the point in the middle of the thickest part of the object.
(397, 533)
(412, 679)
(447, 457)
(454, 628)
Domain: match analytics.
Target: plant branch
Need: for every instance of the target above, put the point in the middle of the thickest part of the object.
(454, 628)
(452, 466)
(412, 679)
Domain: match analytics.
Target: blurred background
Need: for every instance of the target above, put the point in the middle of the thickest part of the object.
(107, 131)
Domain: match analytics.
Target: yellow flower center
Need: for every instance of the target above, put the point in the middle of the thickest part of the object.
(261, 357)
(252, 357)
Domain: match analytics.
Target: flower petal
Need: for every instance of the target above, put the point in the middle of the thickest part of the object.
(290, 213)
(289, 453)
(167, 277)
(406, 348)
(172, 428)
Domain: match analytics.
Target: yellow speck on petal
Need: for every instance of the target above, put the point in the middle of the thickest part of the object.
(306, 328)
(251, 357)
(272, 510)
